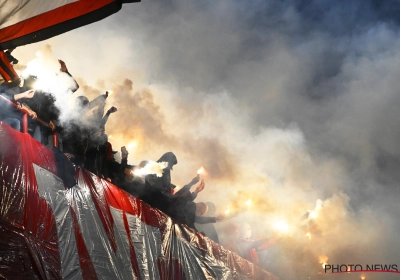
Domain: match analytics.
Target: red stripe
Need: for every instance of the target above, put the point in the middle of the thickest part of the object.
(56, 16)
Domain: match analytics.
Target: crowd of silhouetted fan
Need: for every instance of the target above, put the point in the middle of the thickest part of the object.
(83, 143)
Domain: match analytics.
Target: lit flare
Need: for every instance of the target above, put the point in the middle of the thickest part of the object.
(281, 226)
(201, 170)
(132, 145)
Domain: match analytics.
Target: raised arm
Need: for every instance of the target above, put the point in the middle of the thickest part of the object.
(26, 94)
(109, 112)
(65, 70)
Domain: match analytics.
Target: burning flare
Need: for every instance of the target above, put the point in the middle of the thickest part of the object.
(308, 234)
(248, 202)
(227, 211)
(323, 260)
(151, 167)
(313, 214)
(132, 145)
(201, 170)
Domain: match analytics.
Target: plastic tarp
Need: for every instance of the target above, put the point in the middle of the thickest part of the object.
(93, 230)
(27, 21)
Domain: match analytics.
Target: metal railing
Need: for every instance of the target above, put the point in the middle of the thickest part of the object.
(25, 120)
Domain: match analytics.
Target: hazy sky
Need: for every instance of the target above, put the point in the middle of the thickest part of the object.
(284, 102)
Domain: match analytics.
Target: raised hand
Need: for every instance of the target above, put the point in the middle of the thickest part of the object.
(124, 152)
(200, 187)
(63, 66)
(220, 217)
(112, 110)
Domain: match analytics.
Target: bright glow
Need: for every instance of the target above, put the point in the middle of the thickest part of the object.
(227, 211)
(323, 260)
(248, 202)
(110, 137)
(201, 170)
(110, 92)
(132, 145)
(362, 277)
(308, 234)
(313, 214)
(282, 226)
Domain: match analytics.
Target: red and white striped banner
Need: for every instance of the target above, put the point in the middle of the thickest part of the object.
(93, 230)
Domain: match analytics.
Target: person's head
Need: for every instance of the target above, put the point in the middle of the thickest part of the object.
(82, 101)
(29, 82)
(231, 230)
(170, 158)
(201, 209)
(211, 208)
(109, 151)
(245, 231)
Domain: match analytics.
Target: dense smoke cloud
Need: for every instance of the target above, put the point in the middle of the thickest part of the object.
(283, 102)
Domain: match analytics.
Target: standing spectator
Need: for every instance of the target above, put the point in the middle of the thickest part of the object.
(158, 189)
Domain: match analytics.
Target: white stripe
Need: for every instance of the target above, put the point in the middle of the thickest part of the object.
(148, 247)
(107, 264)
(14, 11)
(51, 188)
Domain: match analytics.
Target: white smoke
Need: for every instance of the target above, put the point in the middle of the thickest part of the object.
(151, 167)
(278, 109)
(52, 81)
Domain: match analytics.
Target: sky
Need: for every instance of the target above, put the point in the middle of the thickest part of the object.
(292, 104)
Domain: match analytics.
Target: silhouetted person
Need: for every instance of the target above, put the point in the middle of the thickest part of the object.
(209, 228)
(158, 189)
(8, 113)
